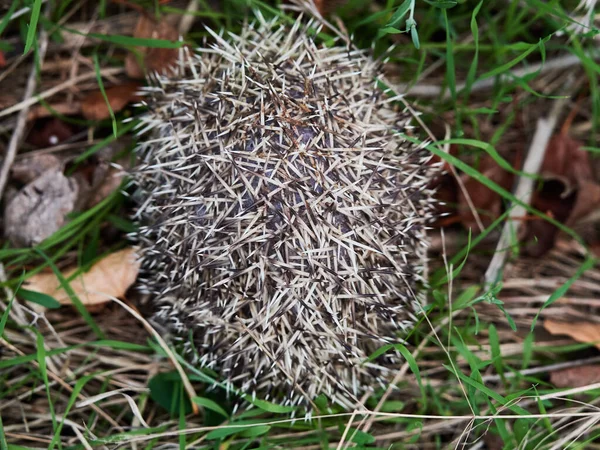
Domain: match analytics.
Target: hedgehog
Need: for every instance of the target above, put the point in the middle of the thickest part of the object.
(282, 214)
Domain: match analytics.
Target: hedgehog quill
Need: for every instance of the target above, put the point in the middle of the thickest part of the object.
(282, 216)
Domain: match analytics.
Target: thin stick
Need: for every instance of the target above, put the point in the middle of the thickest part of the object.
(17, 135)
(434, 90)
(27, 102)
(185, 380)
(524, 190)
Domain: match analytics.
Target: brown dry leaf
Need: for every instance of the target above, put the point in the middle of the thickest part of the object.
(588, 200)
(111, 276)
(576, 376)
(144, 60)
(47, 133)
(488, 202)
(94, 106)
(564, 158)
(568, 193)
(555, 200)
(31, 167)
(39, 209)
(586, 332)
(2, 60)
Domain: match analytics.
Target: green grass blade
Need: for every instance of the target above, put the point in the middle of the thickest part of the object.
(3, 444)
(101, 85)
(6, 19)
(32, 30)
(73, 296)
(45, 300)
(562, 290)
(41, 359)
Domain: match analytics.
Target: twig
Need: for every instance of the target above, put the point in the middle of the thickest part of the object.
(27, 102)
(17, 135)
(434, 90)
(184, 379)
(524, 190)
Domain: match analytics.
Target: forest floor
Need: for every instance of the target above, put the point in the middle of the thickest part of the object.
(506, 356)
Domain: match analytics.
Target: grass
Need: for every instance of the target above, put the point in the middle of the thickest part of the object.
(475, 366)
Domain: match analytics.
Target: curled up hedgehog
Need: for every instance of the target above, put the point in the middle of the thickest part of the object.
(282, 214)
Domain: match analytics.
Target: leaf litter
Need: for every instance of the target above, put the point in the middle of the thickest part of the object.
(112, 276)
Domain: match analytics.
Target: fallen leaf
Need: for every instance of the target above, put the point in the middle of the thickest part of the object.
(39, 209)
(144, 59)
(2, 60)
(94, 106)
(49, 132)
(109, 277)
(586, 332)
(565, 158)
(96, 181)
(568, 193)
(66, 109)
(112, 181)
(487, 202)
(31, 167)
(328, 6)
(576, 376)
(555, 200)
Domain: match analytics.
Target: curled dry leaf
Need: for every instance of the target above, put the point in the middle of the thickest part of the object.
(31, 167)
(94, 106)
(39, 209)
(328, 6)
(568, 193)
(555, 200)
(586, 332)
(145, 59)
(111, 276)
(565, 158)
(47, 133)
(576, 376)
(486, 201)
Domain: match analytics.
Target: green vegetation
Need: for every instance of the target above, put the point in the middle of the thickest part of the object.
(477, 72)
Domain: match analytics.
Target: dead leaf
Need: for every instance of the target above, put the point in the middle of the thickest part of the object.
(486, 201)
(586, 332)
(42, 111)
(565, 158)
(328, 6)
(39, 209)
(29, 168)
(109, 277)
(47, 133)
(2, 60)
(112, 181)
(152, 59)
(555, 200)
(576, 376)
(568, 193)
(94, 106)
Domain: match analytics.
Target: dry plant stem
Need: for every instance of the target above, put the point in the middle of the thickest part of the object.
(64, 384)
(187, 20)
(562, 394)
(543, 369)
(456, 419)
(434, 90)
(186, 382)
(11, 153)
(17, 135)
(29, 101)
(402, 372)
(524, 189)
